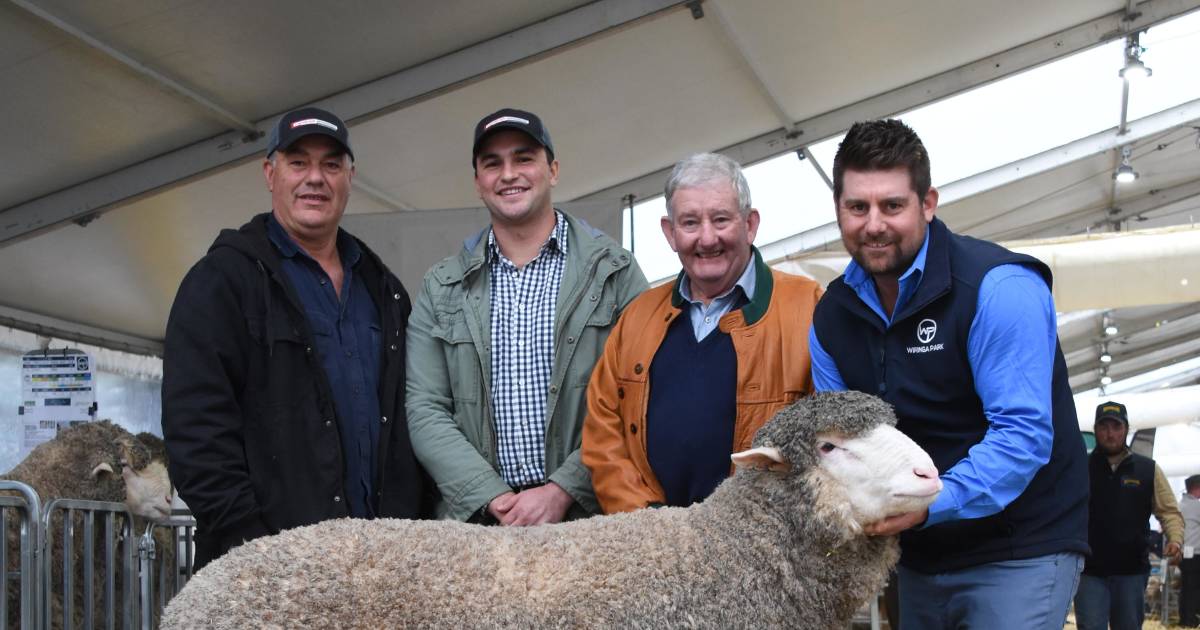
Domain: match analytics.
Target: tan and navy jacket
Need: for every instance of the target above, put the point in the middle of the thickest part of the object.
(770, 339)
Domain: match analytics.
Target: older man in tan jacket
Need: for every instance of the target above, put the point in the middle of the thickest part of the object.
(693, 368)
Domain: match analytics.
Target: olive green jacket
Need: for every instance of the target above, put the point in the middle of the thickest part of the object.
(449, 400)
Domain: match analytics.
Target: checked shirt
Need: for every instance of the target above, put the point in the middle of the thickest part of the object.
(522, 318)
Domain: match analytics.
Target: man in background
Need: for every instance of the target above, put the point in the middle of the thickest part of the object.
(1189, 592)
(1126, 488)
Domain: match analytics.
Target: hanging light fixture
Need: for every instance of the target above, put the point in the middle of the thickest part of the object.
(1135, 68)
(1105, 379)
(1125, 173)
(1110, 326)
(1105, 357)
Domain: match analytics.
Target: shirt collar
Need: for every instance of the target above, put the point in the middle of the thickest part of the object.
(348, 249)
(858, 279)
(746, 282)
(556, 242)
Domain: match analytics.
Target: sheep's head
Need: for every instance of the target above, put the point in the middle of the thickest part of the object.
(845, 446)
(143, 484)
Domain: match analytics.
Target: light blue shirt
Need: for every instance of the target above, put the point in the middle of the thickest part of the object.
(1011, 349)
(706, 318)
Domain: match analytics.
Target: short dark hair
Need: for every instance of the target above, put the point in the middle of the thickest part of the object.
(880, 145)
(1190, 483)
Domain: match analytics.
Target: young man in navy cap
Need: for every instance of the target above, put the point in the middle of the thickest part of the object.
(1126, 488)
(503, 338)
(283, 365)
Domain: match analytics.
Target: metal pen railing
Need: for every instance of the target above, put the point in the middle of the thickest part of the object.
(80, 564)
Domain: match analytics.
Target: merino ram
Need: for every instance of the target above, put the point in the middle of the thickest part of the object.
(93, 461)
(780, 544)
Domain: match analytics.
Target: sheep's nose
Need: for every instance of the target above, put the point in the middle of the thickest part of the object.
(925, 472)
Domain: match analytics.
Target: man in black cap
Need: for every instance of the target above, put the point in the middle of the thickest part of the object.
(503, 338)
(283, 365)
(1125, 489)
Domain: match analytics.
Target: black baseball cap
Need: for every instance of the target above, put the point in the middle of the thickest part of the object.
(1112, 410)
(304, 122)
(509, 118)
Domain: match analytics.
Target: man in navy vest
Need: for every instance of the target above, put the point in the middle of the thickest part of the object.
(1126, 489)
(959, 336)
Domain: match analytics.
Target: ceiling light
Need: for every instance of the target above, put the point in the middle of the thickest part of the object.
(1106, 358)
(1125, 173)
(1134, 68)
(1110, 327)
(1106, 380)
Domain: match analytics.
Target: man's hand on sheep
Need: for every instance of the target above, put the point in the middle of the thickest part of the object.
(895, 524)
(536, 506)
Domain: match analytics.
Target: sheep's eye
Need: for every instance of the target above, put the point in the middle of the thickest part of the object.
(827, 447)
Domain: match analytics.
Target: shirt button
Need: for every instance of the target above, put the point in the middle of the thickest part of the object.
(594, 297)
(553, 389)
(520, 381)
(393, 346)
(637, 368)
(349, 353)
(329, 423)
(383, 419)
(621, 392)
(337, 499)
(570, 340)
(307, 349)
(707, 320)
(322, 281)
(396, 296)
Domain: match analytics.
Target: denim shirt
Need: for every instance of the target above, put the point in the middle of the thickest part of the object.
(348, 342)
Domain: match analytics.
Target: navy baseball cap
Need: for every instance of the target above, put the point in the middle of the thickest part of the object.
(509, 118)
(304, 122)
(1112, 410)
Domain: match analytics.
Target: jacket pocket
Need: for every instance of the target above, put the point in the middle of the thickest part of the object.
(462, 358)
(591, 339)
(274, 329)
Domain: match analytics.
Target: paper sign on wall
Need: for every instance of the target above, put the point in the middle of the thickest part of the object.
(57, 390)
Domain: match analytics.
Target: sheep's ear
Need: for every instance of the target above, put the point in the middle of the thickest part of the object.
(101, 468)
(762, 458)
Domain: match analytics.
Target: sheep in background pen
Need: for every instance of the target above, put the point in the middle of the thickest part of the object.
(779, 544)
(93, 461)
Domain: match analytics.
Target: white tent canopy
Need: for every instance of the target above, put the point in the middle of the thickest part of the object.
(136, 129)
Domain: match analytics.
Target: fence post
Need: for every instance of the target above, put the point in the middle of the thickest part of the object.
(31, 555)
(145, 574)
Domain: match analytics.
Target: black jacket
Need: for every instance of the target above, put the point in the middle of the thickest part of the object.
(248, 415)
